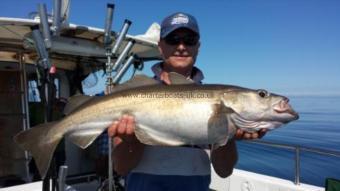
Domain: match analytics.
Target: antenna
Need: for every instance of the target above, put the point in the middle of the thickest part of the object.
(65, 10)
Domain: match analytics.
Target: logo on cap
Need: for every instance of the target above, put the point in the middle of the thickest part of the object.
(180, 19)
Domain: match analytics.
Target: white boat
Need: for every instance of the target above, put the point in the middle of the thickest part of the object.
(75, 52)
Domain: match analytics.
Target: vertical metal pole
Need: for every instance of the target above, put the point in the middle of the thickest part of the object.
(56, 17)
(46, 180)
(297, 165)
(109, 66)
(110, 165)
(107, 42)
(24, 106)
(50, 101)
(62, 177)
(41, 49)
(109, 74)
(45, 26)
(47, 80)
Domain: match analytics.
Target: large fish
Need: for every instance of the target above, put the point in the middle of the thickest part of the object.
(175, 115)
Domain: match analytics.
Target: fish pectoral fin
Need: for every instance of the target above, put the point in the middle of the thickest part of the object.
(75, 101)
(84, 138)
(40, 143)
(150, 136)
(176, 78)
(218, 124)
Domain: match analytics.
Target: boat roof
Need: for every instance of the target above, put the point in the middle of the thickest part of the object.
(15, 34)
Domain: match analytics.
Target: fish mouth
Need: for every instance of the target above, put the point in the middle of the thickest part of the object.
(283, 107)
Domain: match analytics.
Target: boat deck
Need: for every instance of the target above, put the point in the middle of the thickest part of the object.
(240, 180)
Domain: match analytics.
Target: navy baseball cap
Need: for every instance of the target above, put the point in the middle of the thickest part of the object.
(179, 20)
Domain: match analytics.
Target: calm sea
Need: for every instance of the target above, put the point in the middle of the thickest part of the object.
(318, 127)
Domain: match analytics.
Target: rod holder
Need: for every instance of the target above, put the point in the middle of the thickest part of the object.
(121, 36)
(45, 26)
(120, 73)
(123, 55)
(108, 24)
(56, 23)
(62, 177)
(40, 47)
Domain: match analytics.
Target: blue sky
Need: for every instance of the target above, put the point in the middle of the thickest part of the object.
(287, 46)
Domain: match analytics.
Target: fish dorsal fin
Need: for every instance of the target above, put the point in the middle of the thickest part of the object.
(75, 101)
(141, 80)
(137, 81)
(176, 78)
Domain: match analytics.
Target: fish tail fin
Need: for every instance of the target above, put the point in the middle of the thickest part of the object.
(40, 143)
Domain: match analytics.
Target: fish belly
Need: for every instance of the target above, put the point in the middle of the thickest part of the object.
(178, 123)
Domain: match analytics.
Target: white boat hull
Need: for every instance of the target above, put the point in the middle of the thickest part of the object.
(242, 180)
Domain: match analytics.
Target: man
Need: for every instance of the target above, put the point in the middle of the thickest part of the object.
(154, 168)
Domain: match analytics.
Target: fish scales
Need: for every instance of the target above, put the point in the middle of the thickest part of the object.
(176, 115)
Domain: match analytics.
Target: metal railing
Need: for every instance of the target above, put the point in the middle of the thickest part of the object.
(297, 149)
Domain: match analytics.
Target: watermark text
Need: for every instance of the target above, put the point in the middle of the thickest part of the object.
(179, 95)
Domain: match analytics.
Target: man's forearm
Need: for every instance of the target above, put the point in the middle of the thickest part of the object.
(224, 159)
(126, 155)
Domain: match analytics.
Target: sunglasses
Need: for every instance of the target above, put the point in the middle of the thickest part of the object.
(188, 40)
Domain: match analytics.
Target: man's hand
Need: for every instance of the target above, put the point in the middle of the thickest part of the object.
(240, 134)
(123, 130)
(128, 150)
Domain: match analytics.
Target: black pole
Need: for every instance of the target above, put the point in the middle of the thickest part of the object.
(49, 98)
(45, 99)
(50, 103)
(44, 94)
(42, 43)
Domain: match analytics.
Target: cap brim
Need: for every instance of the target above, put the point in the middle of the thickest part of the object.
(173, 28)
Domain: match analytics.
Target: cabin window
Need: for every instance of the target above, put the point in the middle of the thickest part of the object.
(94, 83)
(33, 90)
(57, 85)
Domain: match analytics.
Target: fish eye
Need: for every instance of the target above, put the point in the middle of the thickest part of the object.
(262, 93)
